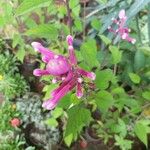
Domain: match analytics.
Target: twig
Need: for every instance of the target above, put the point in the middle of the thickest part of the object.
(115, 69)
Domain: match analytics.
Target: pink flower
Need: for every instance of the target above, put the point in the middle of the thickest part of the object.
(15, 122)
(64, 70)
(122, 31)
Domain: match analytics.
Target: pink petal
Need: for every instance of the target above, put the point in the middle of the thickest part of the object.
(111, 30)
(72, 56)
(122, 14)
(40, 72)
(64, 83)
(79, 90)
(87, 74)
(69, 40)
(44, 51)
(133, 41)
(124, 36)
(45, 59)
(58, 66)
(51, 103)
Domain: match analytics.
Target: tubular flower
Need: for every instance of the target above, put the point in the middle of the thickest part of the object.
(122, 31)
(64, 70)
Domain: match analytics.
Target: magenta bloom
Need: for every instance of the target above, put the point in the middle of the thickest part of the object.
(64, 70)
(122, 31)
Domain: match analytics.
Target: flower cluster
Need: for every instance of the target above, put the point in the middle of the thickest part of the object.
(122, 31)
(15, 122)
(64, 70)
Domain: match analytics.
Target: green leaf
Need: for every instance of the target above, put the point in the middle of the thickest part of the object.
(139, 60)
(96, 24)
(145, 50)
(43, 30)
(20, 54)
(136, 7)
(78, 24)
(17, 40)
(78, 117)
(142, 129)
(57, 112)
(102, 1)
(105, 39)
(65, 102)
(119, 127)
(29, 5)
(146, 95)
(73, 3)
(76, 11)
(52, 122)
(48, 89)
(89, 53)
(116, 54)
(124, 144)
(103, 78)
(68, 139)
(134, 78)
(104, 100)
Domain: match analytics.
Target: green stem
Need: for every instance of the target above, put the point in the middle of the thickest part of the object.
(149, 22)
(138, 29)
(69, 16)
(84, 13)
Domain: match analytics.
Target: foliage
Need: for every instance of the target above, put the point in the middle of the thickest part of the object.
(9, 142)
(12, 84)
(7, 112)
(10, 138)
(32, 116)
(121, 95)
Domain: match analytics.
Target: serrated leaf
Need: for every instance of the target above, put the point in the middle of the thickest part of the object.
(73, 3)
(57, 112)
(146, 95)
(68, 139)
(78, 117)
(103, 78)
(141, 132)
(96, 24)
(20, 54)
(43, 30)
(76, 11)
(89, 53)
(65, 102)
(105, 39)
(29, 5)
(16, 40)
(116, 54)
(134, 78)
(52, 122)
(78, 25)
(104, 100)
